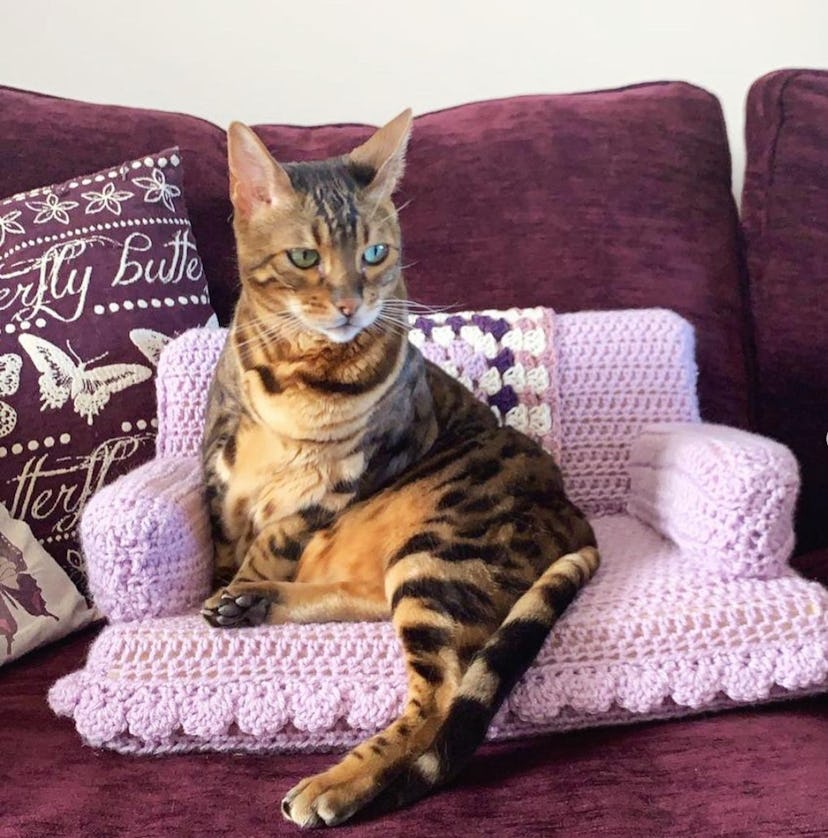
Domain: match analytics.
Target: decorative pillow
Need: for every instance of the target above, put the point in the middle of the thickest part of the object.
(96, 275)
(38, 602)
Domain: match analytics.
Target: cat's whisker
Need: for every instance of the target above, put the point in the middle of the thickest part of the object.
(393, 328)
(399, 316)
(416, 310)
(282, 331)
(414, 304)
(396, 320)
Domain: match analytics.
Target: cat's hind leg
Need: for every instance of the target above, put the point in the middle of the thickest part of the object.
(441, 619)
(434, 672)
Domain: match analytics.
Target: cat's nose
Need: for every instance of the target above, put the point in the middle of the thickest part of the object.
(348, 306)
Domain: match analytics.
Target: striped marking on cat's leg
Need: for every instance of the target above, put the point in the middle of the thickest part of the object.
(271, 552)
(270, 557)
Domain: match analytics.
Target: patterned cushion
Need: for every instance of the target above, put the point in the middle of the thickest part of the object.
(506, 358)
(38, 602)
(96, 275)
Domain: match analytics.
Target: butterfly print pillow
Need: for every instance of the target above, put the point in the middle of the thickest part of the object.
(97, 274)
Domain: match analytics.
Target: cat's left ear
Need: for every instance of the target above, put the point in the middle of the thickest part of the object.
(380, 161)
(256, 180)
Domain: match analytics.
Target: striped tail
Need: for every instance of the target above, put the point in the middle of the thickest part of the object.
(493, 672)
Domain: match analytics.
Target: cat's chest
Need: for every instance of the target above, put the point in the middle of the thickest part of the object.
(301, 413)
(274, 476)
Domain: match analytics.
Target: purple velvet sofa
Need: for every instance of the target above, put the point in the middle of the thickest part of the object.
(602, 200)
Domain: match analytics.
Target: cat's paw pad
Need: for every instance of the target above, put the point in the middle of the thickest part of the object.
(228, 610)
(315, 802)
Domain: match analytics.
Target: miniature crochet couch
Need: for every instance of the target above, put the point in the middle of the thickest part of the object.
(694, 607)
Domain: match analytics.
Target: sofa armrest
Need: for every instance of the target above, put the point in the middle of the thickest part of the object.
(146, 539)
(724, 496)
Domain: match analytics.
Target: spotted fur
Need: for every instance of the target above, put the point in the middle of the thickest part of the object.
(350, 479)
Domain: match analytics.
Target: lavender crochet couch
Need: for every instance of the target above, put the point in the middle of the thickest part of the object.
(633, 274)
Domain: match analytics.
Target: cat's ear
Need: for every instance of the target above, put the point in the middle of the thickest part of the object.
(256, 179)
(379, 162)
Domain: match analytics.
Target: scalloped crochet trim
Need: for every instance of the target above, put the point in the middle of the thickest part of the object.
(265, 717)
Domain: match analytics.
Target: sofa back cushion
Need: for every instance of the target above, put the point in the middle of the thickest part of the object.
(612, 199)
(606, 200)
(45, 139)
(785, 216)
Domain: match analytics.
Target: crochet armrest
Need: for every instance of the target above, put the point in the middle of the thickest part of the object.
(724, 496)
(146, 540)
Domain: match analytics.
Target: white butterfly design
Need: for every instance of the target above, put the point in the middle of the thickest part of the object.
(10, 366)
(150, 343)
(62, 378)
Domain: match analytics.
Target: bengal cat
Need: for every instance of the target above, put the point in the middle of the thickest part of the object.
(350, 479)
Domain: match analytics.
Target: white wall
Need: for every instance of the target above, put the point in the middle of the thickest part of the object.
(309, 62)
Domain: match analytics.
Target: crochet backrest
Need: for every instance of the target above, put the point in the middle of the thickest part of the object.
(582, 384)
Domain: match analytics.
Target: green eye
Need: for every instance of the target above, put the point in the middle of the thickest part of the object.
(303, 257)
(375, 254)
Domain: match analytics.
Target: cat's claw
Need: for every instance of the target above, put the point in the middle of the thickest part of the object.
(230, 611)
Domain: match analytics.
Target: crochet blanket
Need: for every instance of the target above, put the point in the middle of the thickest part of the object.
(693, 608)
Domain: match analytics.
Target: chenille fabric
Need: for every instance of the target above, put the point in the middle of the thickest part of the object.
(785, 218)
(602, 200)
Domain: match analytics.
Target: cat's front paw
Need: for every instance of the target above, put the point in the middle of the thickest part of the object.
(228, 610)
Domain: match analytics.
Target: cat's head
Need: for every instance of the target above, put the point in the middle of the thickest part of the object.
(319, 243)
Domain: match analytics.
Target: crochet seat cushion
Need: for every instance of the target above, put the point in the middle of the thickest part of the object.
(694, 606)
(649, 637)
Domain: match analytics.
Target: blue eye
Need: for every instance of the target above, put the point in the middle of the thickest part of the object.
(375, 254)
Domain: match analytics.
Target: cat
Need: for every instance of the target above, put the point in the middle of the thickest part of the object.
(350, 479)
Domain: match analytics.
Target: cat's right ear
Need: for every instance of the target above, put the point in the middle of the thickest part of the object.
(257, 181)
(380, 160)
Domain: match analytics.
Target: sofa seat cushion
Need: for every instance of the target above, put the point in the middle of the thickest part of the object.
(652, 636)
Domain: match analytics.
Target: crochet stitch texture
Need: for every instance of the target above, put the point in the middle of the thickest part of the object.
(694, 607)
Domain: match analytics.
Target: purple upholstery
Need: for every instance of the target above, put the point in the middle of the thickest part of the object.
(608, 199)
(785, 216)
(752, 772)
(44, 139)
(615, 199)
